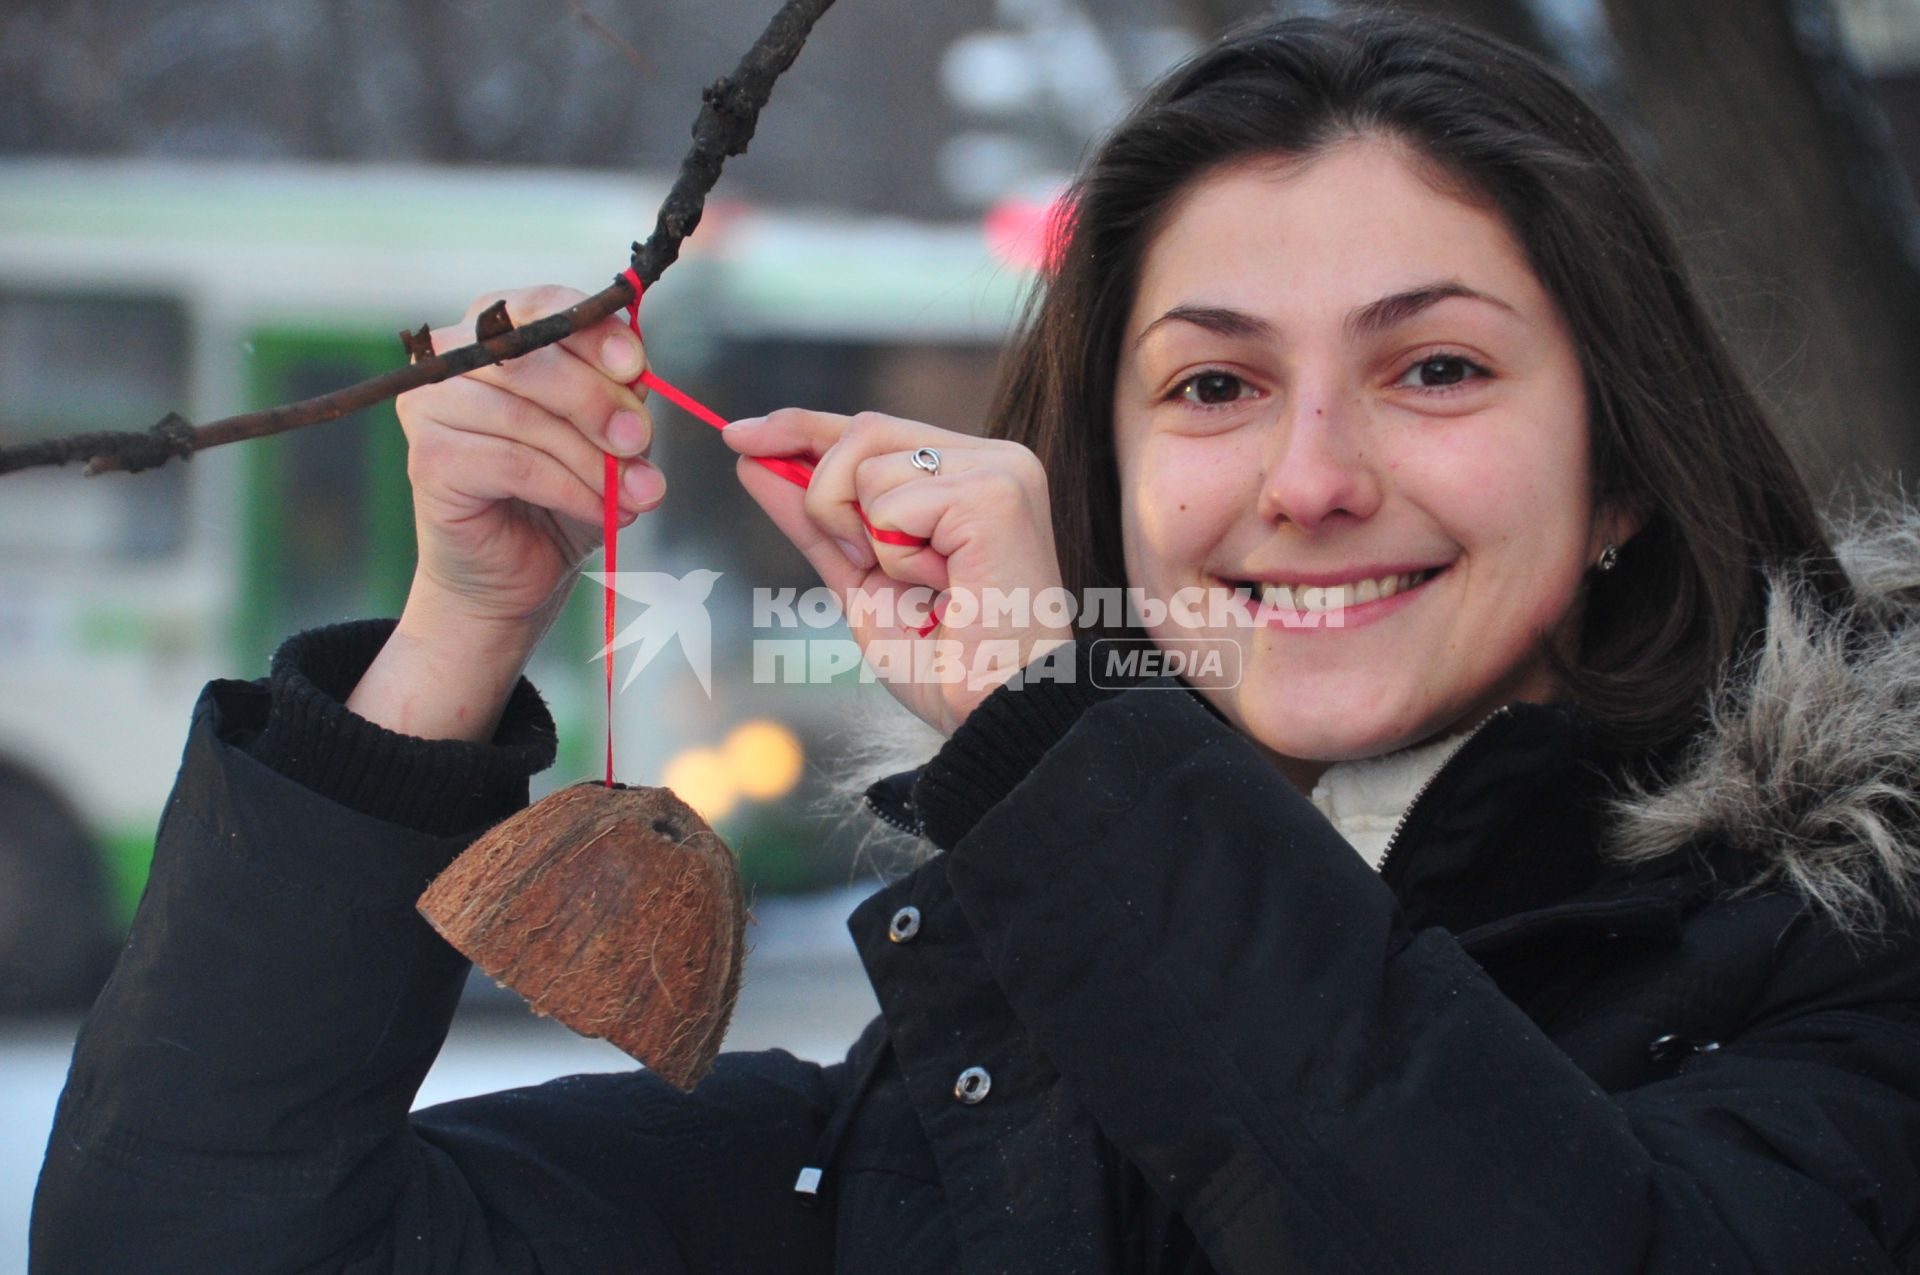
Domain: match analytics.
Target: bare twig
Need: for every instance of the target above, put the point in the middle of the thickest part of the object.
(730, 109)
(493, 322)
(611, 38)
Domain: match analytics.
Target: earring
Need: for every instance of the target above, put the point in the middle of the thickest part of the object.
(1609, 557)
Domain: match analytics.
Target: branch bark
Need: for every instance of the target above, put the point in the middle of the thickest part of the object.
(730, 110)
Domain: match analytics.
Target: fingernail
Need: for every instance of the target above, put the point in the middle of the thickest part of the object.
(644, 482)
(626, 434)
(621, 354)
(746, 423)
(858, 554)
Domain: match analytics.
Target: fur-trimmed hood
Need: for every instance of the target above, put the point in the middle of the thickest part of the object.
(1811, 754)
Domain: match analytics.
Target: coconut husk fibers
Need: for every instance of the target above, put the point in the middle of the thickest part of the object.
(617, 911)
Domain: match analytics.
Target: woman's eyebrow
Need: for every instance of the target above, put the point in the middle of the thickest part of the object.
(1377, 316)
(1218, 320)
(1374, 316)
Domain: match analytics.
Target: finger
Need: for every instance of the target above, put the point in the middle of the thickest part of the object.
(608, 345)
(831, 495)
(879, 454)
(784, 504)
(470, 406)
(600, 408)
(876, 475)
(797, 431)
(467, 406)
(891, 488)
(524, 305)
(915, 508)
(809, 436)
(791, 431)
(491, 468)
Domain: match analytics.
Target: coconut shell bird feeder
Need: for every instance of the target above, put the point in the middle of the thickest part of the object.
(616, 910)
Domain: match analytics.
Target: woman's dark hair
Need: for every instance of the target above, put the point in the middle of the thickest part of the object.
(1677, 436)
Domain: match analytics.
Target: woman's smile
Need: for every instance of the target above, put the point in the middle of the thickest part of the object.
(1331, 602)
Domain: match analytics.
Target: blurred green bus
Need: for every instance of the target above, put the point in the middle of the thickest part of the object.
(129, 289)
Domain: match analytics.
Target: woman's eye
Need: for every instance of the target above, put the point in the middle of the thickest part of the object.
(1211, 389)
(1440, 372)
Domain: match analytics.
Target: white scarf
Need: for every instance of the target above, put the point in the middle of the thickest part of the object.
(1366, 799)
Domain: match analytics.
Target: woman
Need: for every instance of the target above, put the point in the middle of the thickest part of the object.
(1368, 324)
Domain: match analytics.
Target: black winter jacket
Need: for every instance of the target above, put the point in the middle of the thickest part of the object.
(1147, 1012)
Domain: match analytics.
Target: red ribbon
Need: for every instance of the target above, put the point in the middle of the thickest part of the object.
(794, 469)
(610, 524)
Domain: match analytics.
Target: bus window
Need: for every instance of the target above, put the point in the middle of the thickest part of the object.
(329, 518)
(72, 363)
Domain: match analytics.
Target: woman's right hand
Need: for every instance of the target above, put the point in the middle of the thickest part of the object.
(507, 464)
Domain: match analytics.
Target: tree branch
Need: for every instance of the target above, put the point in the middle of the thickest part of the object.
(611, 38)
(730, 109)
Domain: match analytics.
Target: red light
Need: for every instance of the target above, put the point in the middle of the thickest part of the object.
(1029, 234)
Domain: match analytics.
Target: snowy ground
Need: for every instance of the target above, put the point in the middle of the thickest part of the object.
(803, 990)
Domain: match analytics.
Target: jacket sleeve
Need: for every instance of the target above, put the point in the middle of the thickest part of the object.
(238, 1099)
(1236, 999)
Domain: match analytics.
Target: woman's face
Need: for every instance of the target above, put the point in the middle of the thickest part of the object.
(1347, 390)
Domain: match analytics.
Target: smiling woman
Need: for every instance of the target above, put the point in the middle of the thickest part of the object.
(1543, 893)
(1339, 381)
(1424, 184)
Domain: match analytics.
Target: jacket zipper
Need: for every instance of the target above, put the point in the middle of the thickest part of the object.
(890, 821)
(1393, 838)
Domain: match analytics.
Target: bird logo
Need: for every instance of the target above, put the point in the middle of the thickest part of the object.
(676, 607)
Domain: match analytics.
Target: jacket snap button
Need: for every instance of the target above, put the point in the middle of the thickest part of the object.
(972, 1085)
(1669, 1047)
(906, 924)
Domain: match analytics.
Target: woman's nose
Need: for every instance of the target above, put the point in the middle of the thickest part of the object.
(1316, 466)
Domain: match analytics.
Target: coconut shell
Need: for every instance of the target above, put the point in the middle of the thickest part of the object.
(617, 911)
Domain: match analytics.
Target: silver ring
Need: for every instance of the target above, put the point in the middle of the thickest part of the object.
(926, 458)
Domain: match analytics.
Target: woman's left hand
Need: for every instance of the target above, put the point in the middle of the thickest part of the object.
(988, 525)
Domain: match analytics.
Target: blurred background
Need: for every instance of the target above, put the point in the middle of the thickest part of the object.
(211, 205)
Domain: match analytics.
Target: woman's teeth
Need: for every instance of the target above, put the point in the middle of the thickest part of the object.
(1300, 597)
